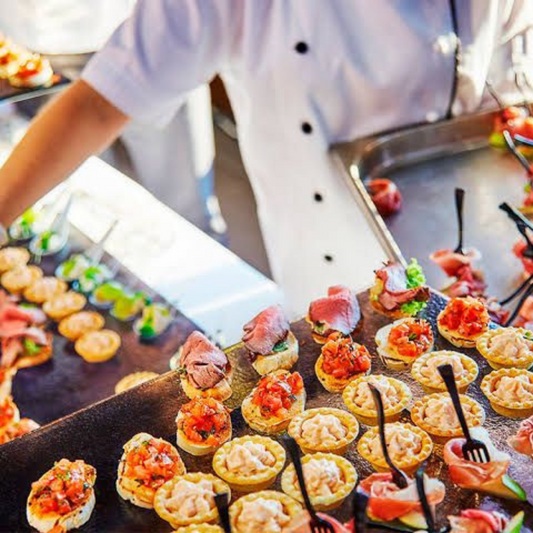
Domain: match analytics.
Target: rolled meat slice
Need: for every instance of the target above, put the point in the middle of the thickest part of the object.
(300, 524)
(522, 442)
(452, 262)
(478, 521)
(386, 196)
(266, 330)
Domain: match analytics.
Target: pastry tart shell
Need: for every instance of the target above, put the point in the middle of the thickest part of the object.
(67, 328)
(12, 257)
(39, 292)
(73, 302)
(264, 364)
(349, 423)
(430, 386)
(370, 416)
(521, 409)
(440, 434)
(199, 528)
(91, 356)
(176, 520)
(17, 279)
(290, 506)
(221, 391)
(408, 464)
(250, 482)
(134, 379)
(289, 482)
(330, 383)
(458, 340)
(498, 361)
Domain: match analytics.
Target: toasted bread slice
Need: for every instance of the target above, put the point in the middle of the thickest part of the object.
(195, 448)
(460, 341)
(330, 383)
(221, 391)
(285, 360)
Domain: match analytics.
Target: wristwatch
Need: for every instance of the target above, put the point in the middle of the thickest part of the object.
(3, 236)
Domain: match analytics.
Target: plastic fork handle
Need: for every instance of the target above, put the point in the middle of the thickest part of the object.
(221, 501)
(446, 372)
(512, 147)
(421, 489)
(459, 201)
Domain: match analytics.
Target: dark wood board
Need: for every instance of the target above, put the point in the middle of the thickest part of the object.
(67, 383)
(97, 435)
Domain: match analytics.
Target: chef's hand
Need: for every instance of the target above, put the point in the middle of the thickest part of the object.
(74, 126)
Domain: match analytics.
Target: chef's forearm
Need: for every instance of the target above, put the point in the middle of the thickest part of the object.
(76, 125)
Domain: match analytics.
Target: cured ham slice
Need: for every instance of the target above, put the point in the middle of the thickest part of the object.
(300, 524)
(518, 249)
(386, 196)
(395, 287)
(339, 311)
(471, 475)
(388, 502)
(266, 330)
(477, 521)
(452, 262)
(204, 363)
(13, 345)
(522, 442)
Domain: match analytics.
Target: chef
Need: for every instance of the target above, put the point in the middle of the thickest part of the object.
(301, 75)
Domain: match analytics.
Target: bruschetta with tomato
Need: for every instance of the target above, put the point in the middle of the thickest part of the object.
(203, 425)
(146, 464)
(276, 400)
(63, 497)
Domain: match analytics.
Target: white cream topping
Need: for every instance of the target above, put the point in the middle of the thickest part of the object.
(513, 389)
(401, 442)
(363, 396)
(323, 429)
(323, 477)
(429, 368)
(511, 344)
(439, 413)
(249, 458)
(189, 499)
(262, 516)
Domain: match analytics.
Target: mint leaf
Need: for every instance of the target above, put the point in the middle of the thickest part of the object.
(280, 347)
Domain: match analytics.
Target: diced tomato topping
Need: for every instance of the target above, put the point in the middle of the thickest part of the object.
(204, 421)
(275, 394)
(7, 412)
(64, 488)
(152, 463)
(343, 358)
(411, 338)
(30, 67)
(467, 316)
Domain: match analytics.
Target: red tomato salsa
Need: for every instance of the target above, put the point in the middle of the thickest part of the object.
(343, 358)
(467, 316)
(275, 394)
(411, 338)
(204, 421)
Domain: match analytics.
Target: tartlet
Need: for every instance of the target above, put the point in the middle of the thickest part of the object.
(189, 499)
(329, 480)
(425, 370)
(435, 414)
(63, 497)
(510, 392)
(12, 257)
(133, 379)
(249, 463)
(146, 454)
(74, 326)
(324, 429)
(276, 400)
(409, 446)
(199, 528)
(341, 361)
(6, 381)
(98, 346)
(44, 289)
(20, 277)
(9, 412)
(463, 321)
(507, 348)
(203, 425)
(395, 394)
(249, 513)
(65, 304)
(399, 344)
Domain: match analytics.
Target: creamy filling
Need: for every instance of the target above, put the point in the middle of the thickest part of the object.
(323, 430)
(363, 396)
(402, 442)
(189, 499)
(440, 413)
(323, 477)
(262, 516)
(430, 369)
(249, 458)
(513, 389)
(510, 344)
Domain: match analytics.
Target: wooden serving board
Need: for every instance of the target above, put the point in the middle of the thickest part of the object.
(98, 433)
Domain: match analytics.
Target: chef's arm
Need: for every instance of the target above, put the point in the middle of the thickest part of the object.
(74, 126)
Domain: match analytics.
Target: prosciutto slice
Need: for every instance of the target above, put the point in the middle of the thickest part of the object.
(13, 345)
(386, 196)
(340, 310)
(388, 502)
(300, 524)
(519, 249)
(451, 262)
(395, 291)
(477, 521)
(204, 363)
(522, 442)
(265, 330)
(471, 475)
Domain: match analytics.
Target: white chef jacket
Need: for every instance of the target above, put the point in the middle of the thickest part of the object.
(301, 75)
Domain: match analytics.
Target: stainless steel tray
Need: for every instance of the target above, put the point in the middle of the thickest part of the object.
(98, 433)
(427, 162)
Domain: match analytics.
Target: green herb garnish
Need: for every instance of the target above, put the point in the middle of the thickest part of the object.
(45, 239)
(415, 278)
(319, 327)
(281, 346)
(31, 347)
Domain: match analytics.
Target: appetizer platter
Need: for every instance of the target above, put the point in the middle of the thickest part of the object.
(216, 424)
(64, 346)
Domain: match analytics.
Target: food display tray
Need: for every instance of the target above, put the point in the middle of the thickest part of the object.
(11, 94)
(427, 162)
(98, 433)
(67, 383)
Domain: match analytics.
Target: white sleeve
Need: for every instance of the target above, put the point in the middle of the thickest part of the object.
(163, 51)
(517, 17)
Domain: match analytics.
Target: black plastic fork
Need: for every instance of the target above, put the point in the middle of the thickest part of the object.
(316, 524)
(222, 503)
(426, 508)
(459, 201)
(473, 449)
(519, 157)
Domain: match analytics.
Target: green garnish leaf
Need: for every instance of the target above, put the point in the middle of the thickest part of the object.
(527, 187)
(319, 327)
(45, 238)
(31, 347)
(412, 308)
(528, 335)
(412, 337)
(415, 275)
(280, 347)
